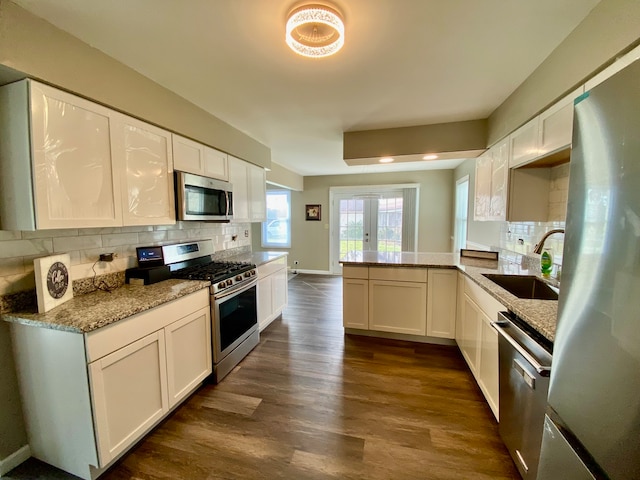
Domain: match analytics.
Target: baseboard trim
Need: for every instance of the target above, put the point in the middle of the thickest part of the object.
(316, 272)
(13, 460)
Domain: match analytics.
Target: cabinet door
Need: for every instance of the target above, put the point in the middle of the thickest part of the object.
(265, 301)
(398, 307)
(471, 334)
(488, 373)
(523, 144)
(483, 186)
(215, 164)
(355, 303)
(74, 184)
(143, 157)
(441, 303)
(188, 353)
(499, 181)
(129, 394)
(257, 193)
(188, 156)
(459, 308)
(556, 124)
(279, 287)
(238, 178)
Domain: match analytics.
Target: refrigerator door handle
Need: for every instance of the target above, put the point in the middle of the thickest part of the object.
(541, 369)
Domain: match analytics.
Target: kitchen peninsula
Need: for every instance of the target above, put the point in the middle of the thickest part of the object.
(441, 298)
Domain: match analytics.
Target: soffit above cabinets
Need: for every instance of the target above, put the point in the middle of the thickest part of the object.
(449, 141)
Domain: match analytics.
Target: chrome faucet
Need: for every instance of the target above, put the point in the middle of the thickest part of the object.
(540, 245)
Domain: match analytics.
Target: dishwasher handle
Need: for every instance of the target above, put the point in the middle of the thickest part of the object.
(543, 370)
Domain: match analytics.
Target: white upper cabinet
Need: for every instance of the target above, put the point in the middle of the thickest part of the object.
(556, 125)
(257, 179)
(143, 158)
(67, 162)
(64, 177)
(523, 143)
(492, 177)
(249, 191)
(196, 158)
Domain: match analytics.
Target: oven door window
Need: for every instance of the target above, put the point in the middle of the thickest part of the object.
(205, 201)
(237, 315)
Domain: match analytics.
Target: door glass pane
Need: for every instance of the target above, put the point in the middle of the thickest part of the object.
(389, 233)
(351, 228)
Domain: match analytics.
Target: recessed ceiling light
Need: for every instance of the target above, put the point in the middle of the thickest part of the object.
(386, 160)
(431, 156)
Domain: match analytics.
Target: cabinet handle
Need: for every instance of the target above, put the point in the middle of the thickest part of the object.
(522, 462)
(541, 369)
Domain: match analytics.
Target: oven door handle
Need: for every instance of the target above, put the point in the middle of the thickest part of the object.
(234, 290)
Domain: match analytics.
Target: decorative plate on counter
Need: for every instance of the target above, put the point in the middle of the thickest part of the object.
(53, 281)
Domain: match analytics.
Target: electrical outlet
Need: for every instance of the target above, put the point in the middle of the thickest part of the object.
(295, 262)
(106, 257)
(246, 233)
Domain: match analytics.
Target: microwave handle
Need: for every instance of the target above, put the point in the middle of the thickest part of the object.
(226, 198)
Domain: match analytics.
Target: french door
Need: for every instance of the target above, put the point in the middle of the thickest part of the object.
(366, 222)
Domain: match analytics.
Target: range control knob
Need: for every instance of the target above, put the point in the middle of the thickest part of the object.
(222, 285)
(247, 274)
(229, 282)
(239, 278)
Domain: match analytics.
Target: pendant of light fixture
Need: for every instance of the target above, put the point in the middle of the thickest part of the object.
(315, 30)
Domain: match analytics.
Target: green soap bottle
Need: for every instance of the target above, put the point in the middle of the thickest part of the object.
(546, 262)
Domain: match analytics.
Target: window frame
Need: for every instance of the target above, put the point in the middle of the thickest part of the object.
(263, 229)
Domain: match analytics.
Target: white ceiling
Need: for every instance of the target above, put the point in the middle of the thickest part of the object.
(405, 63)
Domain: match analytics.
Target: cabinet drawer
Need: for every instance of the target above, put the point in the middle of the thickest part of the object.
(355, 271)
(398, 274)
(105, 340)
(489, 305)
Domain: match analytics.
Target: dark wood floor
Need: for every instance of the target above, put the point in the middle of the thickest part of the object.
(312, 403)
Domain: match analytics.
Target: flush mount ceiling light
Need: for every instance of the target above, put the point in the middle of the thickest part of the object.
(430, 156)
(386, 160)
(315, 30)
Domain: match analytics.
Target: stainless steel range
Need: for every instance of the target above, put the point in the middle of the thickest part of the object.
(233, 299)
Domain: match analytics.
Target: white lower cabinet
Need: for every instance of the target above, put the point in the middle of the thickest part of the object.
(398, 307)
(355, 303)
(129, 394)
(89, 397)
(408, 301)
(188, 343)
(441, 303)
(271, 291)
(478, 341)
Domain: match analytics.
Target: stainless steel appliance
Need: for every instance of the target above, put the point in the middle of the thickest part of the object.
(234, 310)
(593, 425)
(203, 198)
(524, 368)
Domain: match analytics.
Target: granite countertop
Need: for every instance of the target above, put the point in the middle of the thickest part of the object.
(541, 315)
(258, 258)
(91, 311)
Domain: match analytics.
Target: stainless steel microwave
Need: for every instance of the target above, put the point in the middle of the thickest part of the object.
(203, 198)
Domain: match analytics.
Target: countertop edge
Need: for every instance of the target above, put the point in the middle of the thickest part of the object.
(126, 303)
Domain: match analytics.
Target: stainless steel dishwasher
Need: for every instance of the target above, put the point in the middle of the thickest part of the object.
(525, 366)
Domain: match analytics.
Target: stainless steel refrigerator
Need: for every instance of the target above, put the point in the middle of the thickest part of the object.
(592, 428)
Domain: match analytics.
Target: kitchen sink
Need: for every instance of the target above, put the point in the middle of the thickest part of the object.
(524, 286)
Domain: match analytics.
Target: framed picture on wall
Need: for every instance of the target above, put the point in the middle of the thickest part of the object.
(313, 212)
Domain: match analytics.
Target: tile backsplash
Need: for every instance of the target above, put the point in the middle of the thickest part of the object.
(19, 248)
(522, 237)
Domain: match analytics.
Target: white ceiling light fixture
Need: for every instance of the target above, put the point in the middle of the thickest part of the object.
(430, 156)
(315, 30)
(386, 160)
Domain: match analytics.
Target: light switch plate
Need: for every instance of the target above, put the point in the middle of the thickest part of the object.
(53, 281)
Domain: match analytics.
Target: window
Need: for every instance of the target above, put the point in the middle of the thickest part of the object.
(276, 231)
